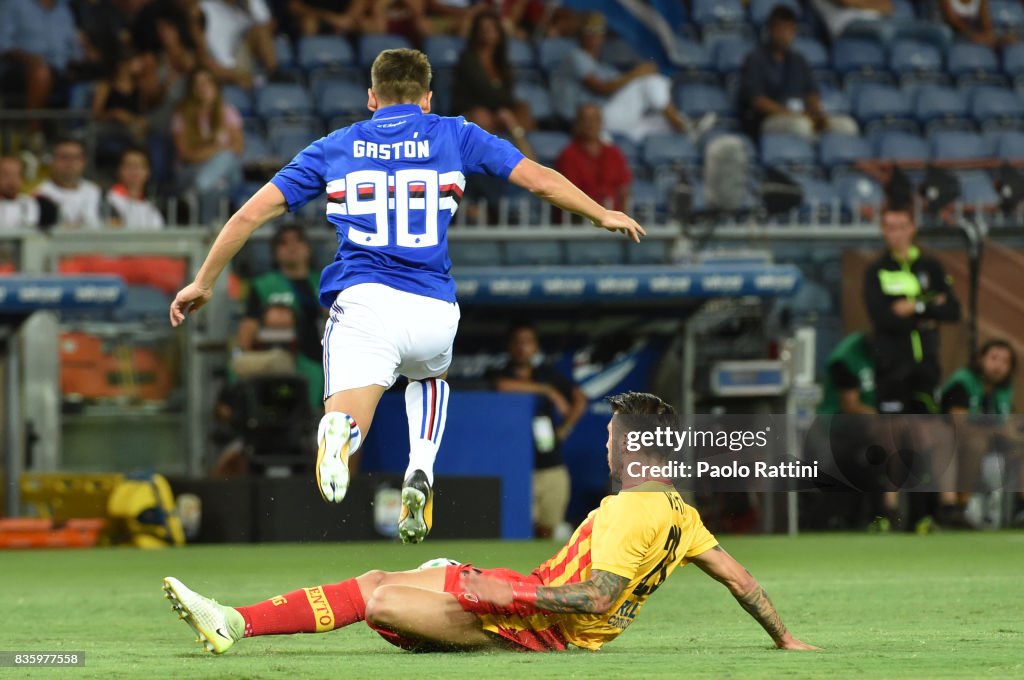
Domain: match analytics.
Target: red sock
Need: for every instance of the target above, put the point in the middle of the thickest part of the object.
(310, 610)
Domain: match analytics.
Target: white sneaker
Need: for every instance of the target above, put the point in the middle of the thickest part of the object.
(217, 626)
(333, 439)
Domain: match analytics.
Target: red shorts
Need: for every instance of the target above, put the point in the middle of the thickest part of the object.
(521, 633)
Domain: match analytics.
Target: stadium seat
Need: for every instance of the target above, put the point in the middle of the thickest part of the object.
(936, 104)
(1013, 59)
(716, 12)
(841, 150)
(1007, 14)
(520, 53)
(969, 58)
(858, 191)
(283, 50)
(630, 150)
(813, 52)
(537, 98)
(648, 252)
(993, 107)
(288, 140)
(852, 55)
(761, 9)
(697, 57)
(619, 54)
(283, 99)
(257, 151)
(533, 253)
(646, 200)
(956, 145)
(336, 98)
(1010, 146)
(443, 50)
(238, 98)
(372, 44)
(786, 151)
(729, 53)
(901, 146)
(475, 253)
(587, 253)
(976, 190)
(324, 51)
(913, 56)
(669, 151)
(834, 101)
(873, 103)
(142, 303)
(548, 144)
(820, 198)
(695, 100)
(551, 52)
(902, 10)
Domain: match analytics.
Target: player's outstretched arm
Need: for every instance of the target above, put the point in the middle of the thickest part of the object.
(265, 205)
(553, 187)
(721, 566)
(596, 595)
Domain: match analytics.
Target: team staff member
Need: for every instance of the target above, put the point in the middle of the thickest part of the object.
(850, 378)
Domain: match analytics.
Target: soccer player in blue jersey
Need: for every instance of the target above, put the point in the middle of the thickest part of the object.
(393, 184)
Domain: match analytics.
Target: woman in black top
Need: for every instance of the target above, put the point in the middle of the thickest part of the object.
(483, 84)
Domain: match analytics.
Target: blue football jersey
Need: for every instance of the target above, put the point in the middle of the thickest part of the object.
(393, 184)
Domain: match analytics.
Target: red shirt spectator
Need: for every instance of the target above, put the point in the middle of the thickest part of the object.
(595, 166)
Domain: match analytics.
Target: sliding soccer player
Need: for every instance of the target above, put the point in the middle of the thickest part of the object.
(393, 185)
(584, 596)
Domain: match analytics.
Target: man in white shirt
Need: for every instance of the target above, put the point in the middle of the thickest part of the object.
(228, 24)
(77, 199)
(838, 15)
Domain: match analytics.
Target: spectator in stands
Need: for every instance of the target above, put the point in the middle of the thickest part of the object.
(104, 26)
(314, 17)
(77, 199)
(559, 400)
(294, 284)
(19, 210)
(407, 18)
(118, 106)
(594, 165)
(850, 378)
(483, 84)
(777, 92)
(972, 21)
(167, 39)
(634, 104)
(230, 25)
(839, 15)
(980, 399)
(38, 43)
(129, 208)
(209, 141)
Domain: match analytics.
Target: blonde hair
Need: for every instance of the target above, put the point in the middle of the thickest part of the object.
(400, 76)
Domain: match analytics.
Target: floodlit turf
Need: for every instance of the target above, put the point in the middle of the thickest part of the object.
(896, 606)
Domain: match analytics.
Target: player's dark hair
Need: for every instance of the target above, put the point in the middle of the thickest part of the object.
(996, 343)
(400, 76)
(639, 404)
(500, 53)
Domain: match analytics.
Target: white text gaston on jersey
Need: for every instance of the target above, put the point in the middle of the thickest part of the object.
(395, 151)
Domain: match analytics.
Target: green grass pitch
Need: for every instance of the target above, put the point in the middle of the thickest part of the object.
(892, 606)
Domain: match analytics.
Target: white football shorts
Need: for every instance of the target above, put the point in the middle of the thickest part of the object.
(376, 333)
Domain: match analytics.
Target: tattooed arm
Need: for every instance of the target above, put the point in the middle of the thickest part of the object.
(593, 596)
(721, 566)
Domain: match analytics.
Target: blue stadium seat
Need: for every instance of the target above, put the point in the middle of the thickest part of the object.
(339, 98)
(533, 253)
(537, 98)
(372, 44)
(588, 253)
(1013, 59)
(1010, 146)
(520, 53)
(697, 58)
(325, 52)
(820, 198)
(257, 150)
(902, 10)
(141, 303)
(874, 103)
(661, 151)
(858, 191)
(443, 50)
(729, 53)
(618, 53)
(238, 98)
(976, 189)
(647, 200)
(712, 12)
(813, 51)
(970, 58)
(1007, 14)
(548, 144)
(853, 54)
(551, 52)
(901, 146)
(934, 103)
(283, 99)
(288, 139)
(283, 50)
(842, 150)
(629, 149)
(996, 107)
(912, 56)
(696, 100)
(957, 145)
(834, 101)
(475, 253)
(786, 151)
(648, 252)
(761, 9)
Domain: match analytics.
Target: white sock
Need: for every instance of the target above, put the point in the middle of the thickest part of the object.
(355, 437)
(426, 407)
